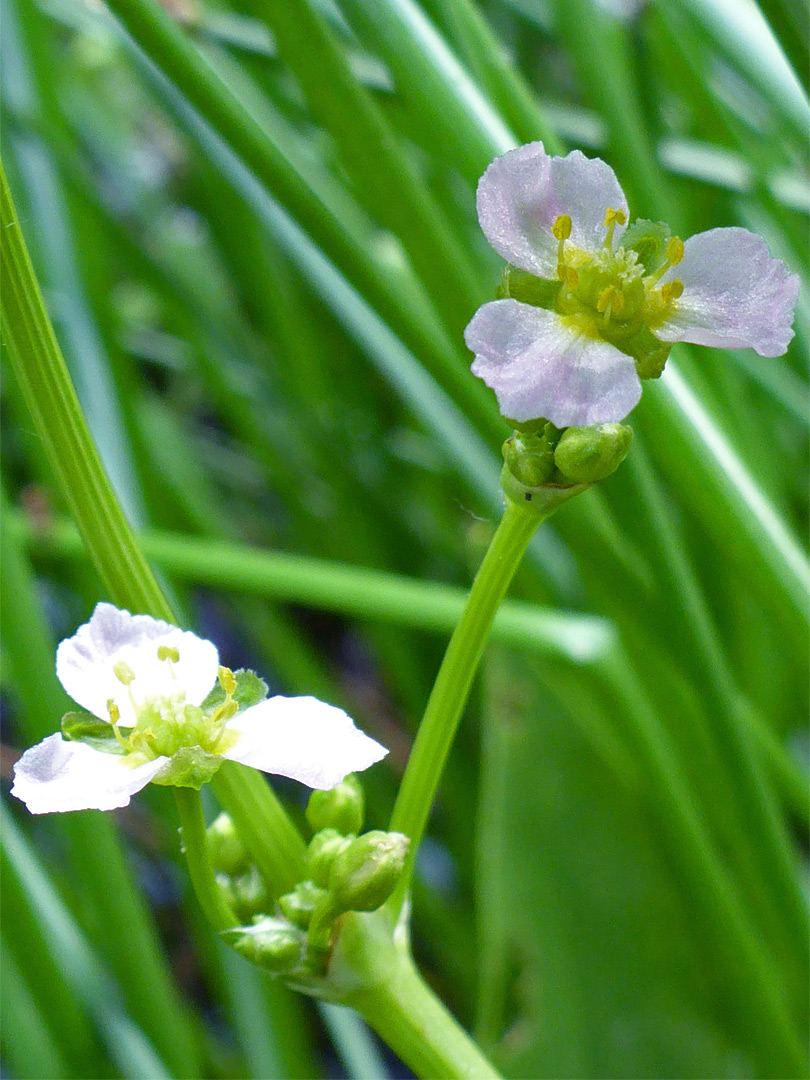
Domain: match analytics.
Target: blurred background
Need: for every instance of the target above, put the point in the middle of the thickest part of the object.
(259, 257)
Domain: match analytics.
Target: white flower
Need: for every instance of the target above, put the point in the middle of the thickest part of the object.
(600, 304)
(146, 682)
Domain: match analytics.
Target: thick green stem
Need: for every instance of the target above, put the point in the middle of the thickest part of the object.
(371, 969)
(409, 1018)
(452, 687)
(195, 848)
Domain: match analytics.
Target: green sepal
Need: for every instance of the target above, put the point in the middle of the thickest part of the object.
(530, 455)
(649, 241)
(250, 690)
(272, 944)
(299, 904)
(519, 285)
(539, 500)
(88, 729)
(588, 454)
(190, 766)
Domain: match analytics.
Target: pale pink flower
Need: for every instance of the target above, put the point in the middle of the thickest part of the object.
(570, 356)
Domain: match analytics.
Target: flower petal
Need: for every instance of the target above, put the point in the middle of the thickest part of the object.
(84, 663)
(302, 738)
(541, 366)
(735, 295)
(56, 775)
(585, 188)
(522, 192)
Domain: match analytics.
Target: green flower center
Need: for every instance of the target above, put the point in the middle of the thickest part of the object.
(166, 724)
(611, 295)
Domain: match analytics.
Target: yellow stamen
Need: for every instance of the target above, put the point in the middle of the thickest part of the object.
(674, 254)
(561, 227)
(674, 250)
(115, 716)
(225, 711)
(610, 300)
(672, 290)
(612, 219)
(166, 652)
(227, 680)
(123, 672)
(571, 277)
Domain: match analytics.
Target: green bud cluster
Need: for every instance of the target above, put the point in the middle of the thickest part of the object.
(545, 466)
(242, 886)
(345, 872)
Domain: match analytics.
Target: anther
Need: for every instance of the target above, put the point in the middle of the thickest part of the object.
(672, 290)
(227, 680)
(609, 300)
(612, 219)
(674, 254)
(115, 716)
(225, 711)
(674, 250)
(166, 652)
(123, 672)
(561, 227)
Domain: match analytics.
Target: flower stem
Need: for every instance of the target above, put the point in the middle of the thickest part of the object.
(452, 687)
(195, 847)
(409, 1018)
(263, 825)
(371, 970)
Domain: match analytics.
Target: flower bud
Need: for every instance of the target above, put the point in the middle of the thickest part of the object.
(530, 457)
(228, 853)
(365, 873)
(299, 904)
(272, 944)
(587, 454)
(249, 894)
(340, 808)
(323, 847)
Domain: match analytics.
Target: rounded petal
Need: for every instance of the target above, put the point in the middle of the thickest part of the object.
(585, 188)
(522, 192)
(302, 738)
(735, 295)
(540, 366)
(512, 197)
(56, 776)
(85, 662)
